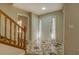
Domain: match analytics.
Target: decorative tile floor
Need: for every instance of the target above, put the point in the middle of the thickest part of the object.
(47, 48)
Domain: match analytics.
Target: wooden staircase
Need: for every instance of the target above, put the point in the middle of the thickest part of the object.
(17, 34)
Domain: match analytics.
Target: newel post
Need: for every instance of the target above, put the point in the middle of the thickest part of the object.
(25, 38)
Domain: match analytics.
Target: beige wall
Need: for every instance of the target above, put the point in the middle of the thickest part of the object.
(71, 13)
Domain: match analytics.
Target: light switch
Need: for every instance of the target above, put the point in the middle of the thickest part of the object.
(71, 26)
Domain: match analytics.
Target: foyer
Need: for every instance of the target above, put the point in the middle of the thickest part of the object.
(39, 29)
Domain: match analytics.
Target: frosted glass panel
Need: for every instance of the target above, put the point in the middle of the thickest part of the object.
(53, 28)
(48, 27)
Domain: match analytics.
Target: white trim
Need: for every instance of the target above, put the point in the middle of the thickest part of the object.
(63, 27)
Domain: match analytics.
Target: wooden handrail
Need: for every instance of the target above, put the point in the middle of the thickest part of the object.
(16, 42)
(10, 18)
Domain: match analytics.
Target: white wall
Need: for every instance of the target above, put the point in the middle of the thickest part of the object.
(34, 28)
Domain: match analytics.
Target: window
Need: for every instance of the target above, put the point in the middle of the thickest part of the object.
(53, 28)
(39, 34)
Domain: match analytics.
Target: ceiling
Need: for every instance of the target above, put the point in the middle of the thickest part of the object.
(37, 7)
